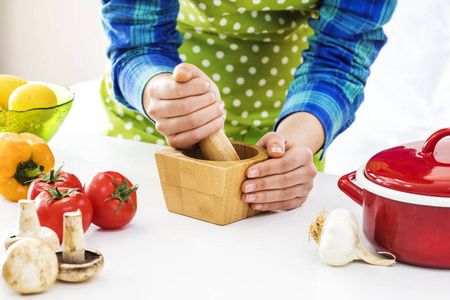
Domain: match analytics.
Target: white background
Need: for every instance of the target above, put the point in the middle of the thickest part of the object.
(407, 95)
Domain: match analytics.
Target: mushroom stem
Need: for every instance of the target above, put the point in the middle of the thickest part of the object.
(28, 219)
(73, 238)
(29, 226)
(76, 263)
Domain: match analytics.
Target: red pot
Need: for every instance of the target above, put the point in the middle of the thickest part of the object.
(405, 195)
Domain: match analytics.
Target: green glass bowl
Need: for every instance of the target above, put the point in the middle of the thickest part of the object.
(43, 122)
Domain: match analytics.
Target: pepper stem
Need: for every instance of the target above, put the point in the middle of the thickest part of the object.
(28, 171)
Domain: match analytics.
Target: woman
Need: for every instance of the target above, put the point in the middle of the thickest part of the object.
(178, 67)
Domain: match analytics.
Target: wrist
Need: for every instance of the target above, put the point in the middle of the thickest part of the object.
(303, 128)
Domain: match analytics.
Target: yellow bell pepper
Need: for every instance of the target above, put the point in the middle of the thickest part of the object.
(23, 157)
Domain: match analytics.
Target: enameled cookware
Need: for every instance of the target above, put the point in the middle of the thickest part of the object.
(405, 195)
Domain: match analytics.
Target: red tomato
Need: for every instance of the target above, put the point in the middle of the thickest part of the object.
(53, 178)
(113, 198)
(51, 204)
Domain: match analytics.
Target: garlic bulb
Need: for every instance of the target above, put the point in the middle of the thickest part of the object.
(337, 237)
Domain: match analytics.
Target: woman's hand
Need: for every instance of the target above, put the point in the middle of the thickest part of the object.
(185, 106)
(282, 182)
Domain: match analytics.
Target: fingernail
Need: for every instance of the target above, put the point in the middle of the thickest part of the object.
(250, 198)
(276, 148)
(257, 206)
(250, 187)
(253, 173)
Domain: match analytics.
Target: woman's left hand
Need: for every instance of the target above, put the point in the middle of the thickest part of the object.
(282, 182)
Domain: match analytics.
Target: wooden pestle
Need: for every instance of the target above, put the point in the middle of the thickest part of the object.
(218, 147)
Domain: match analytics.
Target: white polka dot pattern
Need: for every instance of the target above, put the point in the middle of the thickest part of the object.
(250, 49)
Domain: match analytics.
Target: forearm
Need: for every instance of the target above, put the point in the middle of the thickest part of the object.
(303, 128)
(330, 82)
(144, 43)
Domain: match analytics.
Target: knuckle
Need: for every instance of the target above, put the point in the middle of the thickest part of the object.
(159, 127)
(184, 107)
(261, 184)
(287, 193)
(172, 142)
(192, 120)
(195, 137)
(152, 90)
(151, 109)
(283, 180)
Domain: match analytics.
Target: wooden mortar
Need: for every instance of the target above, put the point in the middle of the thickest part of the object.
(205, 183)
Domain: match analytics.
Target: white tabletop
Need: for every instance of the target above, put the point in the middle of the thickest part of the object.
(161, 255)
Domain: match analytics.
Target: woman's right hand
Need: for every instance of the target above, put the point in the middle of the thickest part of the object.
(185, 106)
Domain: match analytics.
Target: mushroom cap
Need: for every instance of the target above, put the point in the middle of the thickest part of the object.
(80, 272)
(46, 235)
(31, 266)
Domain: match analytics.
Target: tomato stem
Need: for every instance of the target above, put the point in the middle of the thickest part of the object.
(56, 194)
(52, 176)
(122, 193)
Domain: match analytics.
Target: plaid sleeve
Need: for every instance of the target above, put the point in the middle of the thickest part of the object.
(330, 83)
(144, 43)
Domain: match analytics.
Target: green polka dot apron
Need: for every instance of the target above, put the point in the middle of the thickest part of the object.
(250, 49)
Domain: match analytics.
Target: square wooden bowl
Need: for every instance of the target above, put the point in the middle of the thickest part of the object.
(207, 190)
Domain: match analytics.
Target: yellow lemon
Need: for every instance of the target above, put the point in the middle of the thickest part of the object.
(8, 84)
(1, 108)
(32, 95)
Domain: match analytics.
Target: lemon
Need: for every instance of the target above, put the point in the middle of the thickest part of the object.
(32, 95)
(8, 84)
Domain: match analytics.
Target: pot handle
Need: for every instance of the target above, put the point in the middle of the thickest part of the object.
(430, 143)
(345, 183)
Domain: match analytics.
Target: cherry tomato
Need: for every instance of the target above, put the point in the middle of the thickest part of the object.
(52, 203)
(113, 198)
(51, 179)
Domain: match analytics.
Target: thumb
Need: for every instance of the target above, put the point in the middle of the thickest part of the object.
(185, 72)
(274, 143)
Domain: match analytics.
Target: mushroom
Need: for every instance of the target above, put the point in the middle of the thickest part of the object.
(75, 262)
(30, 227)
(30, 266)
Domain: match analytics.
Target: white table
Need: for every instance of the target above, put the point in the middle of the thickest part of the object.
(162, 255)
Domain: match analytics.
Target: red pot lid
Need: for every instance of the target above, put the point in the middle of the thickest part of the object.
(420, 168)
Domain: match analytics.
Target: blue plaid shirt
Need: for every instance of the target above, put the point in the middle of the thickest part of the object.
(329, 84)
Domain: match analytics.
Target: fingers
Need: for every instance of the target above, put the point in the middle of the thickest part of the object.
(282, 182)
(292, 159)
(278, 181)
(171, 89)
(280, 205)
(274, 143)
(187, 122)
(185, 72)
(185, 139)
(279, 192)
(184, 106)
